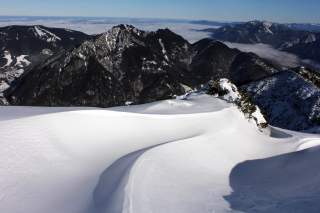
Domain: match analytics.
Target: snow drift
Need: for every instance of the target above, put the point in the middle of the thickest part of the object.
(175, 156)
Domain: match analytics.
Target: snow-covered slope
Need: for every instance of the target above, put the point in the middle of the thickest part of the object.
(174, 156)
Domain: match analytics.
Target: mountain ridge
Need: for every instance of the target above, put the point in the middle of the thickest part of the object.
(129, 66)
(302, 43)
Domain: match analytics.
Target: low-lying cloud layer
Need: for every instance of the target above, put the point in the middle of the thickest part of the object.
(266, 51)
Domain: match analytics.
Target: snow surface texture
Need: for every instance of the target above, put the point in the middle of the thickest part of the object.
(174, 156)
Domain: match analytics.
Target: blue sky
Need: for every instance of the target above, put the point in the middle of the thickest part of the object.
(220, 10)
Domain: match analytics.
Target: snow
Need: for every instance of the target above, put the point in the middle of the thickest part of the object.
(82, 56)
(22, 61)
(164, 51)
(128, 103)
(45, 34)
(39, 32)
(233, 96)
(309, 143)
(311, 38)
(279, 94)
(267, 26)
(259, 116)
(232, 92)
(3, 86)
(174, 156)
(7, 56)
(46, 52)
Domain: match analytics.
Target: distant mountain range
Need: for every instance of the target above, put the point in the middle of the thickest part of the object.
(293, 26)
(59, 67)
(284, 37)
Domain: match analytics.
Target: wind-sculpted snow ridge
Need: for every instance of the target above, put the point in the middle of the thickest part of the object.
(175, 156)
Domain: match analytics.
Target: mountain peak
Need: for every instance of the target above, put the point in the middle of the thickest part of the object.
(125, 28)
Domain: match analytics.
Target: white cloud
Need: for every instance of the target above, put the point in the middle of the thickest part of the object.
(266, 51)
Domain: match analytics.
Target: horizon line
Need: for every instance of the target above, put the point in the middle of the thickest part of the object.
(154, 18)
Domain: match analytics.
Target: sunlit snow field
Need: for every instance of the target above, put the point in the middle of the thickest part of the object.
(173, 156)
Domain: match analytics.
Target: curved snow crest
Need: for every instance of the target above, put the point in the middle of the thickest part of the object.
(308, 143)
(114, 191)
(135, 182)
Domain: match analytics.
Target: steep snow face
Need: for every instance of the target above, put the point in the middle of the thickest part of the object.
(174, 156)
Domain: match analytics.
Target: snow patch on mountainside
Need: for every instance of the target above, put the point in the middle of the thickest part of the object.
(45, 34)
(164, 51)
(267, 26)
(8, 57)
(232, 92)
(22, 61)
